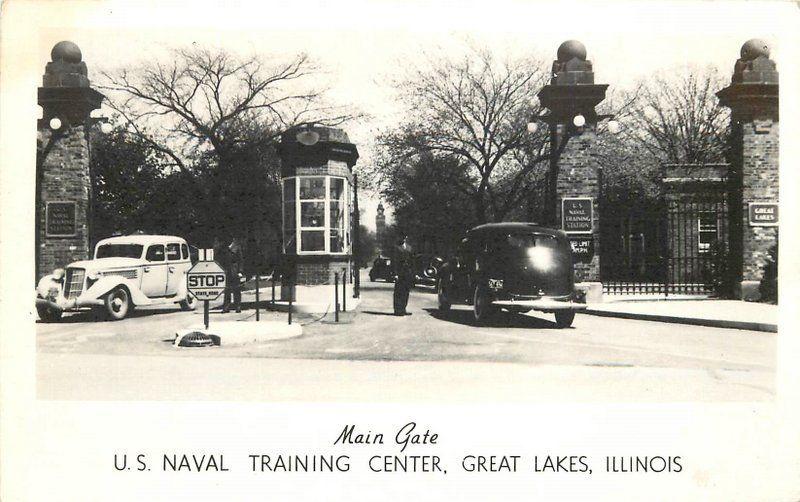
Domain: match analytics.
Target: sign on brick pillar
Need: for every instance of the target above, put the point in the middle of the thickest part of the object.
(63, 181)
(63, 199)
(753, 100)
(571, 98)
(577, 208)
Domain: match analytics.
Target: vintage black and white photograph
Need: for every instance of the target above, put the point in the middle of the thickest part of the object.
(380, 203)
(471, 208)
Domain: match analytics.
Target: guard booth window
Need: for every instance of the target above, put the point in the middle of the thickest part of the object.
(707, 229)
(315, 215)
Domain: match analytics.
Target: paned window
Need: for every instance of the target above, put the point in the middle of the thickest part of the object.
(707, 231)
(315, 215)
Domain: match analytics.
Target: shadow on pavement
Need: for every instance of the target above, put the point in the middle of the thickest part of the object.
(375, 312)
(501, 320)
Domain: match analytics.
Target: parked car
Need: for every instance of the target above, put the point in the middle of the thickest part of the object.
(427, 269)
(382, 268)
(126, 272)
(513, 266)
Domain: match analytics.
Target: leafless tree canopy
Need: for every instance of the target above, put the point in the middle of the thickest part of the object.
(677, 117)
(474, 109)
(213, 100)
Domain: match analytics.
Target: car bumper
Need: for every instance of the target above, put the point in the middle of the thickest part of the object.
(63, 304)
(542, 304)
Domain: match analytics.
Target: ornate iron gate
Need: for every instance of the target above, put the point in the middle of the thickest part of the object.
(676, 246)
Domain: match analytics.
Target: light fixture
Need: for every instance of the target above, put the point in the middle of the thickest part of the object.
(579, 120)
(55, 123)
(307, 136)
(614, 126)
(106, 128)
(532, 127)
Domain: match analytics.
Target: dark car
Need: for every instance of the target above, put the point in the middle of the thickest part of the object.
(382, 268)
(513, 266)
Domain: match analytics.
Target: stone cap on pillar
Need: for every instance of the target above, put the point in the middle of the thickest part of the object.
(66, 91)
(572, 89)
(754, 84)
(316, 144)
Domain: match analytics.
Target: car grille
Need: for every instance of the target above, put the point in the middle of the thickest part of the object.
(128, 274)
(73, 283)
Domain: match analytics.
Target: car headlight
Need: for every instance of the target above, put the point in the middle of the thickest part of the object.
(58, 274)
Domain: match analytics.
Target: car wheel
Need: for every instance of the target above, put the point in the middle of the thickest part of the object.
(190, 303)
(48, 314)
(118, 303)
(564, 318)
(444, 302)
(482, 304)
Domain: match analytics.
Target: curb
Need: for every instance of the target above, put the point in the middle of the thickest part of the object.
(714, 323)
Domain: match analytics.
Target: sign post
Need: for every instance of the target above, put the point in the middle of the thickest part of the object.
(206, 281)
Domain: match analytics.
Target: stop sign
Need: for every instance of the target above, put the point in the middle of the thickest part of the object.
(206, 280)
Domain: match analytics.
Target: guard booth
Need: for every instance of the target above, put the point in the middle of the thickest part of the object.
(317, 194)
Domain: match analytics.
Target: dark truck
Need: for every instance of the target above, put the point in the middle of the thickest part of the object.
(513, 266)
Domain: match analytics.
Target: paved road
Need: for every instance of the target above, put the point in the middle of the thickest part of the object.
(598, 357)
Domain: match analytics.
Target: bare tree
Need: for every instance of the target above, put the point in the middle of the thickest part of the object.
(678, 119)
(474, 109)
(204, 100)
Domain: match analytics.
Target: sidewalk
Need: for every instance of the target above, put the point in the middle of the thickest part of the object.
(733, 314)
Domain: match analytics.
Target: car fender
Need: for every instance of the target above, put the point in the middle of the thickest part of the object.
(104, 285)
(45, 283)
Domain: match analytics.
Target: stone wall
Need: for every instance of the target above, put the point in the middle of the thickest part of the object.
(63, 160)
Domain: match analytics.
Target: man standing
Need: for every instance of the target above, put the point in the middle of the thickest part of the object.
(404, 267)
(233, 272)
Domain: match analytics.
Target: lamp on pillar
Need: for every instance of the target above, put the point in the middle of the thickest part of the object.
(63, 178)
(570, 99)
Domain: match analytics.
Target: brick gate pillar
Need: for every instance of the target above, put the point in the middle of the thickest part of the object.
(753, 176)
(63, 182)
(574, 175)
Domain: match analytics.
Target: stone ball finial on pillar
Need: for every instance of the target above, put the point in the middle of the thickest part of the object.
(754, 48)
(571, 66)
(67, 52)
(754, 65)
(571, 49)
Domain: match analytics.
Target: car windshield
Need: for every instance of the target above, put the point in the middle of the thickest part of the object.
(119, 251)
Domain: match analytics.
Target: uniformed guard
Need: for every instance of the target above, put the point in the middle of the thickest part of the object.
(234, 275)
(404, 268)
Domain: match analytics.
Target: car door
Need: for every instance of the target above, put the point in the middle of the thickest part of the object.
(155, 272)
(176, 268)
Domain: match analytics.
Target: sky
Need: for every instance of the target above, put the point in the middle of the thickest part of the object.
(363, 46)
